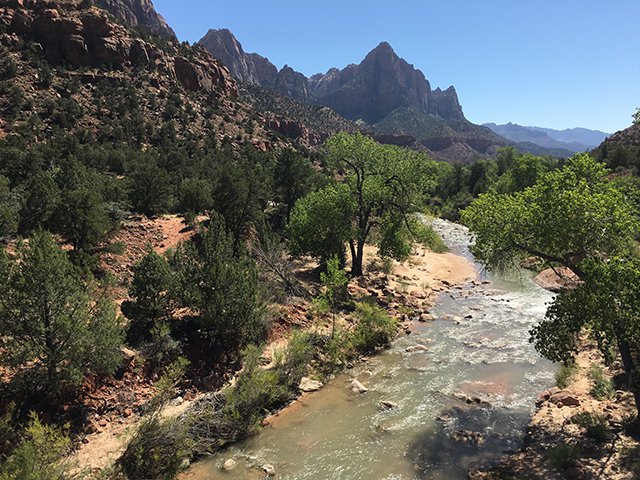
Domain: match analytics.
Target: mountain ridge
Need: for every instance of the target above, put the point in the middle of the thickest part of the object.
(571, 139)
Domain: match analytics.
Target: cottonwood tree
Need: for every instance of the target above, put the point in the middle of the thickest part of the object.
(569, 215)
(577, 218)
(606, 306)
(380, 182)
(50, 324)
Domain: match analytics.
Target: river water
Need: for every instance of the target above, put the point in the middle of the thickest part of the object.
(478, 348)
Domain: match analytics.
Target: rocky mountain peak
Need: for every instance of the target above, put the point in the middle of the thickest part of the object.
(138, 13)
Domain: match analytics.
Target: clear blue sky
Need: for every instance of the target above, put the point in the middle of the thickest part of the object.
(550, 63)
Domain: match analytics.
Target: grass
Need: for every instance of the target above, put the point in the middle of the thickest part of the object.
(602, 387)
(564, 375)
(564, 456)
(596, 426)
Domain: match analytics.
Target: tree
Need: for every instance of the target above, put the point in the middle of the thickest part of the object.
(151, 190)
(569, 215)
(41, 197)
(334, 281)
(380, 182)
(606, 306)
(195, 195)
(636, 117)
(320, 224)
(82, 218)
(51, 326)
(8, 210)
(221, 286)
(293, 178)
(150, 292)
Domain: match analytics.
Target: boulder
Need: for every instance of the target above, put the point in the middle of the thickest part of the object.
(468, 436)
(358, 387)
(229, 464)
(269, 469)
(309, 385)
(388, 405)
(564, 399)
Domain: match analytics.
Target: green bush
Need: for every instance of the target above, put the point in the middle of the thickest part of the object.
(564, 374)
(375, 328)
(157, 451)
(602, 387)
(596, 426)
(564, 456)
(39, 454)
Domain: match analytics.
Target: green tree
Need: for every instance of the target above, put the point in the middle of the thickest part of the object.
(8, 210)
(150, 188)
(221, 286)
(150, 292)
(82, 218)
(41, 197)
(334, 281)
(380, 182)
(636, 117)
(606, 306)
(38, 455)
(320, 224)
(51, 326)
(195, 195)
(571, 214)
(293, 178)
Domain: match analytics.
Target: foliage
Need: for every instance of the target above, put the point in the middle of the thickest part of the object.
(564, 456)
(334, 281)
(554, 219)
(39, 454)
(564, 374)
(157, 451)
(160, 446)
(195, 195)
(375, 328)
(51, 325)
(319, 224)
(607, 304)
(596, 426)
(151, 191)
(602, 387)
(636, 117)
(221, 286)
(383, 185)
(150, 292)
(8, 210)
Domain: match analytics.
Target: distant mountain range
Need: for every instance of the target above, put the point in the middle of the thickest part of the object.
(383, 94)
(572, 139)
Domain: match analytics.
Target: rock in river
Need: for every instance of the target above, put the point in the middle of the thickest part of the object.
(358, 387)
(309, 385)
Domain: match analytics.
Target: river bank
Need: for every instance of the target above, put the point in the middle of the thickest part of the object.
(461, 399)
(406, 292)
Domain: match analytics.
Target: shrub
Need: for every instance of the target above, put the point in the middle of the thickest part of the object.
(564, 374)
(564, 456)
(157, 451)
(38, 455)
(602, 387)
(375, 328)
(596, 426)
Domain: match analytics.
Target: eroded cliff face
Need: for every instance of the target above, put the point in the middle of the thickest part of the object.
(86, 37)
(139, 13)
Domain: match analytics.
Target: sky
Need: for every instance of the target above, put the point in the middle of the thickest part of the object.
(549, 63)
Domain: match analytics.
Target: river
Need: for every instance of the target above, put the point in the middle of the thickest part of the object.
(478, 348)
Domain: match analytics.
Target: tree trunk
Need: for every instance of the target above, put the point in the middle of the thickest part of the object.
(629, 367)
(356, 262)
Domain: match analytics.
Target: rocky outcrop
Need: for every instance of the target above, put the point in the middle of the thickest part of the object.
(78, 37)
(224, 46)
(138, 13)
(376, 87)
(255, 69)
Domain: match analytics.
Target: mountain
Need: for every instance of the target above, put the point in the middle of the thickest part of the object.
(138, 13)
(384, 94)
(255, 69)
(572, 140)
(622, 149)
(69, 67)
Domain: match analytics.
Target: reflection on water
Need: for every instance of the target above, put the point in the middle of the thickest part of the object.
(480, 374)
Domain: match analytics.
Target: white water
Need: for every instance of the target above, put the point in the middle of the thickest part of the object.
(335, 434)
